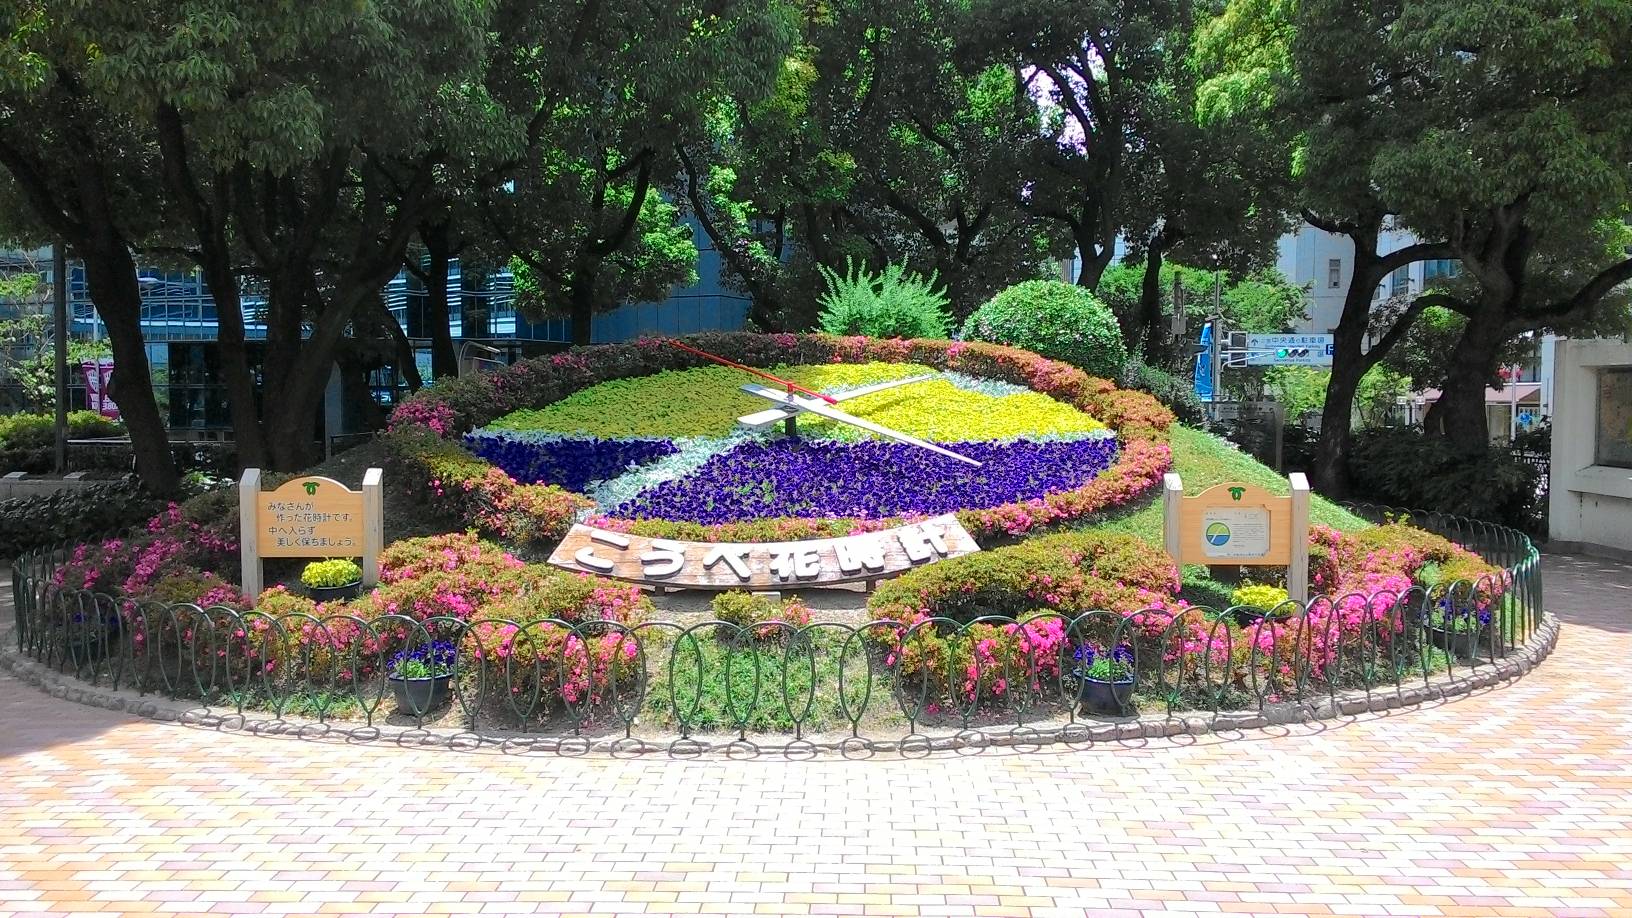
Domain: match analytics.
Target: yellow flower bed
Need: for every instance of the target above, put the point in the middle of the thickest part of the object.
(938, 410)
(706, 402)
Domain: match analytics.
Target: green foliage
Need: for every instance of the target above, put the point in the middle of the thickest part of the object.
(890, 304)
(1177, 393)
(1403, 467)
(1258, 596)
(335, 572)
(77, 514)
(659, 255)
(1058, 320)
(1302, 390)
(1377, 394)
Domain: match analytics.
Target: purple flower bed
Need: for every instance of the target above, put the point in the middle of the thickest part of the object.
(571, 462)
(868, 479)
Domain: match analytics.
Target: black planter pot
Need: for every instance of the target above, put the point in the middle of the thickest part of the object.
(336, 594)
(1245, 616)
(1463, 645)
(89, 644)
(1102, 696)
(417, 696)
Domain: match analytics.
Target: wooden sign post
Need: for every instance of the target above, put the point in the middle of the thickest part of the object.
(310, 517)
(1240, 524)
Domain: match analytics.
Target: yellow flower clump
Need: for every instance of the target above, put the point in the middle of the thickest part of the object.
(940, 411)
(1259, 595)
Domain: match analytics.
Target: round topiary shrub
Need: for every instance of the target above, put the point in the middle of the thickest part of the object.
(1057, 320)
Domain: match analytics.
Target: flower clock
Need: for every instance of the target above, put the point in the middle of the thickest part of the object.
(844, 435)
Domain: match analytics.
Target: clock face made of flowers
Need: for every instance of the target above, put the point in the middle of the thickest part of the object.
(675, 453)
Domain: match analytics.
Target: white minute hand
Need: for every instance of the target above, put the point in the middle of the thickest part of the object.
(822, 409)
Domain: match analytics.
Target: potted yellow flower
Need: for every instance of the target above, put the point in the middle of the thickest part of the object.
(332, 580)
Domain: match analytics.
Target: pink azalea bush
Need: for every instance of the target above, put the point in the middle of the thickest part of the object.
(1103, 590)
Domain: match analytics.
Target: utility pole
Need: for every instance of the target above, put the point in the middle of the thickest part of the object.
(1218, 338)
(59, 297)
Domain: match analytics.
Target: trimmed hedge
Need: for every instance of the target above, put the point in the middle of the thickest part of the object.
(76, 514)
(1177, 393)
(1055, 319)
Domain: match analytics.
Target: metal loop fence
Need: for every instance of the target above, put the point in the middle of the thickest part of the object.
(886, 682)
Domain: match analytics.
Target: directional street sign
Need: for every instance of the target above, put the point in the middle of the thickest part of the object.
(1288, 350)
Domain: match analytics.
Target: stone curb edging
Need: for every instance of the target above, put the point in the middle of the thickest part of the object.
(1516, 664)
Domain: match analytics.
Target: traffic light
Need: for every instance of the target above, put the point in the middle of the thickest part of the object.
(1291, 353)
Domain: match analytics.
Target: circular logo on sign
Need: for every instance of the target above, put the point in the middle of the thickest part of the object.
(1217, 533)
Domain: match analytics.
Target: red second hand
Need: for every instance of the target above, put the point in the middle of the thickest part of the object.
(791, 386)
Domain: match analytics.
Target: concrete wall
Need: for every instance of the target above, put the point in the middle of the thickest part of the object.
(23, 486)
(1590, 505)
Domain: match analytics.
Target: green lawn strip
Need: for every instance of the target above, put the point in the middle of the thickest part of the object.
(1203, 460)
(725, 699)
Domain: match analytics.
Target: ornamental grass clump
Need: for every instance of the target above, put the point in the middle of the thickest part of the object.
(334, 572)
(891, 304)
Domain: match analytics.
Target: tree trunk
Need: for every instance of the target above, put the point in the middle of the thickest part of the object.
(110, 273)
(298, 371)
(1459, 416)
(444, 359)
(1349, 362)
(239, 380)
(1096, 256)
(581, 308)
(1331, 471)
(1148, 324)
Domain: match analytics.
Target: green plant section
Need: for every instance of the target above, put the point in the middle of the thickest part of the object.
(1060, 321)
(1204, 460)
(707, 402)
(335, 572)
(35, 431)
(711, 682)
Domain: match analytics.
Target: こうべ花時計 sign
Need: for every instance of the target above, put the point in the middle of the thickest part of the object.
(1241, 524)
(734, 565)
(309, 517)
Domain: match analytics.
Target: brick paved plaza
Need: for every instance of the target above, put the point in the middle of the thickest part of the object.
(1515, 801)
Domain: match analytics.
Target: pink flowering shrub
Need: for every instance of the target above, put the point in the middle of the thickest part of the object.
(544, 648)
(470, 492)
(168, 544)
(1111, 589)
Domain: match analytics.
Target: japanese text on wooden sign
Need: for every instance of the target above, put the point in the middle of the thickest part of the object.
(309, 517)
(1240, 524)
(728, 565)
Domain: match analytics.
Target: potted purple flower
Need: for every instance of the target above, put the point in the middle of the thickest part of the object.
(1458, 628)
(1104, 680)
(420, 676)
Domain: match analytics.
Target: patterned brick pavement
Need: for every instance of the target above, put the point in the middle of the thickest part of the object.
(1516, 801)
